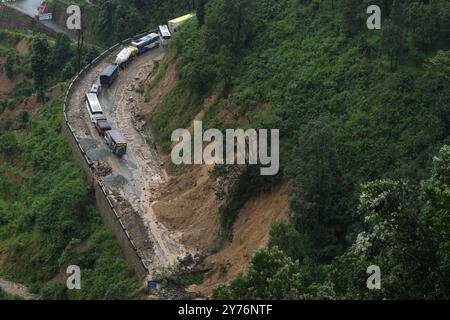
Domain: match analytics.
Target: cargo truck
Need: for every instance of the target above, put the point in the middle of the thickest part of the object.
(125, 56)
(102, 125)
(115, 142)
(174, 24)
(109, 74)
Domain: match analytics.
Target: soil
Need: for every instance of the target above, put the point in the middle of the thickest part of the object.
(22, 46)
(16, 289)
(188, 205)
(157, 94)
(250, 232)
(7, 85)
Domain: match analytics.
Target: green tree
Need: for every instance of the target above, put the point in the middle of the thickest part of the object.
(40, 64)
(229, 23)
(316, 190)
(436, 223)
(389, 240)
(284, 236)
(271, 275)
(9, 145)
(61, 52)
(201, 12)
(392, 42)
(351, 19)
(434, 86)
(9, 64)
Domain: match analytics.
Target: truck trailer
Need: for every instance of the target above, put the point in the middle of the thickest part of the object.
(109, 74)
(174, 24)
(115, 142)
(125, 56)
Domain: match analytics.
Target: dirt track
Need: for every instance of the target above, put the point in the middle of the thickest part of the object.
(134, 181)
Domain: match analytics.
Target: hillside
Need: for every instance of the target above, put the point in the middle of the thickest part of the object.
(48, 219)
(362, 186)
(356, 108)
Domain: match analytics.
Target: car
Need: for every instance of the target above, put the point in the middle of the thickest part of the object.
(102, 125)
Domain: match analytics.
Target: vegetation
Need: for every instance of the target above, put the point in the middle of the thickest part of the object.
(361, 112)
(120, 19)
(47, 215)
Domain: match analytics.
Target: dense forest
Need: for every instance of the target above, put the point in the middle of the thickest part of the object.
(363, 118)
(48, 218)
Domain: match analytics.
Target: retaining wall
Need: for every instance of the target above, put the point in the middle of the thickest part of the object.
(12, 19)
(107, 211)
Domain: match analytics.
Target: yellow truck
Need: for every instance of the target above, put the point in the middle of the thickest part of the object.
(175, 23)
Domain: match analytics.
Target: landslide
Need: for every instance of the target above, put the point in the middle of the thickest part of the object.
(190, 201)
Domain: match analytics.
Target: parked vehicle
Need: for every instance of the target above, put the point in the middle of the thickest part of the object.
(94, 108)
(146, 43)
(164, 33)
(109, 74)
(102, 125)
(125, 56)
(96, 89)
(115, 142)
(176, 23)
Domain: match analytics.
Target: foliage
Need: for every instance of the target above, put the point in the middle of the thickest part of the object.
(49, 221)
(352, 105)
(8, 66)
(406, 237)
(271, 276)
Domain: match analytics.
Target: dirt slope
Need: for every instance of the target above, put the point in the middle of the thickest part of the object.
(188, 206)
(251, 231)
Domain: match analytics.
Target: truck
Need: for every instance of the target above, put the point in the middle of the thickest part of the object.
(109, 74)
(164, 33)
(125, 56)
(102, 125)
(115, 142)
(174, 24)
(96, 89)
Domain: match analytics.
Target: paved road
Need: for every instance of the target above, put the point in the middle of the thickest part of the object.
(29, 7)
(136, 178)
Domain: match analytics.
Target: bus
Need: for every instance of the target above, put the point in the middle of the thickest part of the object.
(151, 40)
(164, 32)
(94, 108)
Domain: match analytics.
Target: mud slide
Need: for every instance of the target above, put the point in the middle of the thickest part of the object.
(135, 180)
(15, 289)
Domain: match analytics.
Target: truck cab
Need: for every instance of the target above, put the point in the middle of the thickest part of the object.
(102, 125)
(96, 88)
